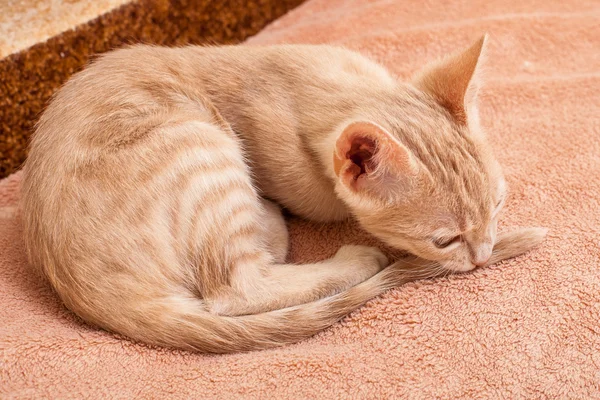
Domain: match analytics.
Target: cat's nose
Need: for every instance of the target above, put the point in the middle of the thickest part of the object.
(482, 255)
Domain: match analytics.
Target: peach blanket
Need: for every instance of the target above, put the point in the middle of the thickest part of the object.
(528, 328)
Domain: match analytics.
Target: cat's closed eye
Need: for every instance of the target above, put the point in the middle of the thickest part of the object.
(444, 242)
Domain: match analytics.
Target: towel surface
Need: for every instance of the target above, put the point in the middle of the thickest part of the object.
(527, 328)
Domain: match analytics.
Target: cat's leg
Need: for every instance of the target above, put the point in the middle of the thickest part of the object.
(275, 231)
(260, 287)
(220, 231)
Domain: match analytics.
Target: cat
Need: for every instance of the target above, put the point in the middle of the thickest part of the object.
(152, 188)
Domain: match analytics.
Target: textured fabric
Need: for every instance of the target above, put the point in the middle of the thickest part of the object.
(42, 19)
(527, 328)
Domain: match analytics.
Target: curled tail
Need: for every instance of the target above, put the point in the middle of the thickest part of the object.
(512, 244)
(186, 325)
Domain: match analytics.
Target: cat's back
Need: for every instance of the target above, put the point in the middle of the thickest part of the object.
(126, 91)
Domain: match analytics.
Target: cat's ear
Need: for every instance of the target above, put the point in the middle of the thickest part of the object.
(367, 157)
(453, 81)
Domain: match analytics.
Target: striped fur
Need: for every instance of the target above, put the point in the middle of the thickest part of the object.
(143, 193)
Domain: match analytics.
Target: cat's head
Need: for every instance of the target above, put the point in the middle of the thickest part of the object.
(417, 171)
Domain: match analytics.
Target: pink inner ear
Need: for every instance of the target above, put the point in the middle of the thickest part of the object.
(361, 154)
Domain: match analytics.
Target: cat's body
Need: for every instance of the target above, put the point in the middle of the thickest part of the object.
(142, 191)
(256, 90)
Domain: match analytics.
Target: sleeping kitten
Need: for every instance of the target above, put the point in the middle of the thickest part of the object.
(145, 184)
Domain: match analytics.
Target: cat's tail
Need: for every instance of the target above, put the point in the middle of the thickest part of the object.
(514, 243)
(186, 325)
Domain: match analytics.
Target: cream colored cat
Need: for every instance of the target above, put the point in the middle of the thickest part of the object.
(143, 191)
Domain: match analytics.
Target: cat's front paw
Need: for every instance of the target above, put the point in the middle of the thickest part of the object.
(367, 257)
